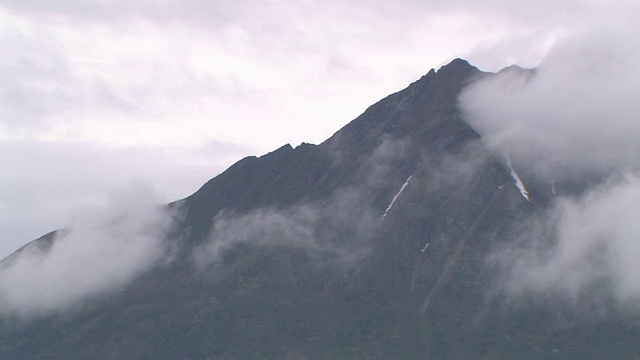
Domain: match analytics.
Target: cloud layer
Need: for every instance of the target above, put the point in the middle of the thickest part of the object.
(581, 243)
(572, 119)
(576, 115)
(42, 183)
(339, 228)
(103, 251)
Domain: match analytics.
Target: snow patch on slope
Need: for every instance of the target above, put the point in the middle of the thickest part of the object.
(519, 183)
(396, 196)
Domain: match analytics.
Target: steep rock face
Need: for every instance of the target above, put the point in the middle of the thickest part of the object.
(423, 117)
(372, 244)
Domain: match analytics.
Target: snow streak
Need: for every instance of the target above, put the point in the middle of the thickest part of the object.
(396, 196)
(519, 183)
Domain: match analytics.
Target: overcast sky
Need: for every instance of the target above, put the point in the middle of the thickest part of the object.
(95, 94)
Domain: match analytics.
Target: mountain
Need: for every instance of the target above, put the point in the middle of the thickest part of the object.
(378, 243)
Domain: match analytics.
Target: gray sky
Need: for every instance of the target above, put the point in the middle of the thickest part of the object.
(95, 95)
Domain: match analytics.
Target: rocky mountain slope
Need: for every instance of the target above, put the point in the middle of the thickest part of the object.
(378, 243)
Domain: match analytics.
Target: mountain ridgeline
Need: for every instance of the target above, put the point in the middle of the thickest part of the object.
(379, 243)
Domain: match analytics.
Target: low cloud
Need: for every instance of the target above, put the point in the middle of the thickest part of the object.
(575, 115)
(40, 197)
(104, 250)
(574, 119)
(447, 171)
(339, 228)
(579, 244)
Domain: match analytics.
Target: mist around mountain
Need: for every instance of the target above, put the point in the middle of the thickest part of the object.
(470, 215)
(571, 129)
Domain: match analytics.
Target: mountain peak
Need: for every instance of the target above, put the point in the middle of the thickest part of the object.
(456, 65)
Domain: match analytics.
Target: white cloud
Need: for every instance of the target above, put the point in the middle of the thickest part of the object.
(103, 251)
(574, 120)
(42, 182)
(339, 228)
(597, 240)
(577, 115)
